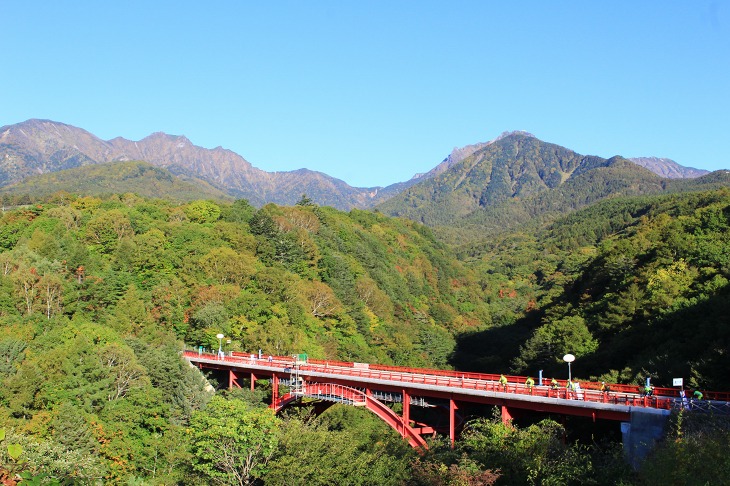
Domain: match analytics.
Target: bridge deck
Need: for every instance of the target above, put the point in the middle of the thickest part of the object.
(587, 402)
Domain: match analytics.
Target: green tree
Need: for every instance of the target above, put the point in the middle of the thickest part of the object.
(535, 455)
(72, 430)
(305, 201)
(232, 443)
(106, 229)
(551, 341)
(238, 212)
(225, 265)
(51, 462)
(130, 315)
(11, 356)
(343, 447)
(203, 211)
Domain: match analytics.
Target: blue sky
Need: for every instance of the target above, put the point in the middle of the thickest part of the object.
(372, 92)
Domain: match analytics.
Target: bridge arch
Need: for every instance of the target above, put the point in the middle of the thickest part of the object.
(352, 396)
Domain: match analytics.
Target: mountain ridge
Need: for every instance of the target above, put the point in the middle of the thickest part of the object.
(668, 168)
(520, 179)
(39, 146)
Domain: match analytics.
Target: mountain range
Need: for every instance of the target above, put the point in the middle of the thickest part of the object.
(512, 167)
(37, 147)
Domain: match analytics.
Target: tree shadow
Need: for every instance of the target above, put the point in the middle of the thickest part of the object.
(492, 350)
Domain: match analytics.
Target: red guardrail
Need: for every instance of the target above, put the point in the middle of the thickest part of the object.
(590, 391)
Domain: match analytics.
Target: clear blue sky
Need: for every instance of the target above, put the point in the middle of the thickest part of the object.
(372, 92)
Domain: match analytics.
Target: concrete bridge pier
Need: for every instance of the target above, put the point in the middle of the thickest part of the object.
(640, 434)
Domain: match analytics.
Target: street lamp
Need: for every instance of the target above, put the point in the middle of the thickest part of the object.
(568, 358)
(220, 343)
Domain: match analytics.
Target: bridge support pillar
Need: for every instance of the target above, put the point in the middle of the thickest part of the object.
(506, 415)
(233, 380)
(253, 381)
(452, 421)
(642, 433)
(274, 389)
(406, 408)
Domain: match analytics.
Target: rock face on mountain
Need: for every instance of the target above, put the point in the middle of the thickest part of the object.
(668, 168)
(41, 146)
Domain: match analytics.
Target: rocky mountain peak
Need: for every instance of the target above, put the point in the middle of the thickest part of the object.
(460, 153)
(668, 168)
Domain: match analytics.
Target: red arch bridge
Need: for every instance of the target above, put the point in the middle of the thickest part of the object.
(373, 386)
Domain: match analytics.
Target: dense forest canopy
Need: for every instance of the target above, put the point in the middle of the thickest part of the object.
(634, 287)
(97, 295)
(355, 286)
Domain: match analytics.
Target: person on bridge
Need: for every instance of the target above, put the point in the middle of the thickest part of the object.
(554, 384)
(569, 388)
(529, 383)
(503, 382)
(605, 388)
(683, 397)
(697, 395)
(578, 390)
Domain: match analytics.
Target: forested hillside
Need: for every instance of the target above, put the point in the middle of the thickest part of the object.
(111, 178)
(514, 167)
(98, 294)
(633, 287)
(354, 286)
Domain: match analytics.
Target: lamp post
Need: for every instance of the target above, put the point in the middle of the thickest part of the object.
(569, 358)
(220, 344)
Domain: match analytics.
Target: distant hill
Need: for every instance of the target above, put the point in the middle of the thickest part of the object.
(668, 168)
(117, 177)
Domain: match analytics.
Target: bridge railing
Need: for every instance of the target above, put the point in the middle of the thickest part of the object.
(663, 398)
(451, 380)
(707, 406)
(616, 388)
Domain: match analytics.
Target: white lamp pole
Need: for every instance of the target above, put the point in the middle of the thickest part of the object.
(569, 358)
(220, 343)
